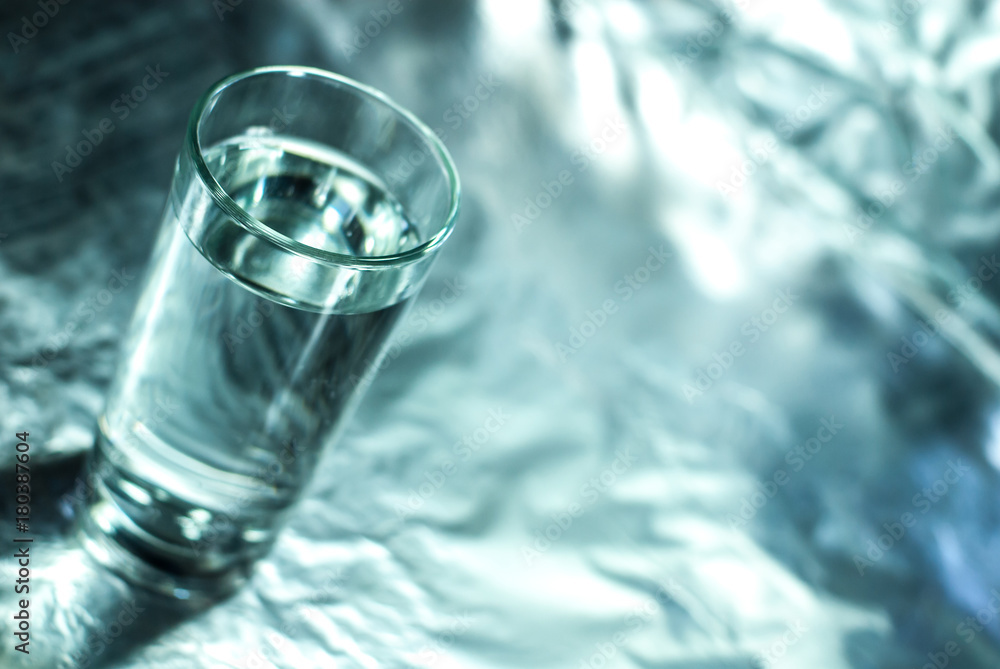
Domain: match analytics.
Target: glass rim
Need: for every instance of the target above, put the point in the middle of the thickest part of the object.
(260, 229)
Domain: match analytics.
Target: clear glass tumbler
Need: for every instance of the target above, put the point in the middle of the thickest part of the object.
(304, 215)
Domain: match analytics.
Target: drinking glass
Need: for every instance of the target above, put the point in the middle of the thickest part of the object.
(304, 214)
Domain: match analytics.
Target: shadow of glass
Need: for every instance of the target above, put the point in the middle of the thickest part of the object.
(80, 614)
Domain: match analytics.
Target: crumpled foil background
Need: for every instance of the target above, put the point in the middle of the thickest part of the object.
(705, 377)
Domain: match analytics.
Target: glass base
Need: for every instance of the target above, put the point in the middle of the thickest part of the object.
(102, 537)
(147, 537)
